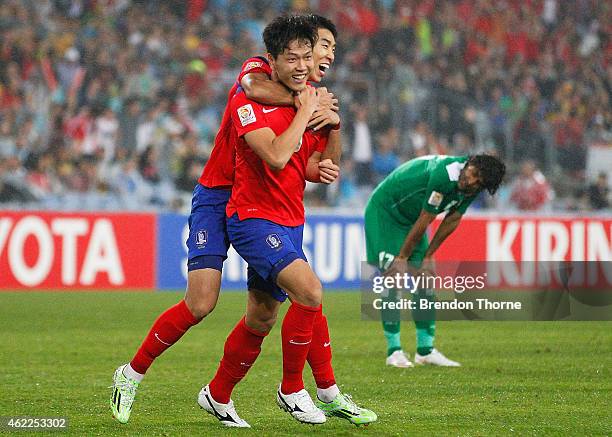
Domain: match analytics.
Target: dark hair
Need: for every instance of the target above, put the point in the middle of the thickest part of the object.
(286, 28)
(490, 169)
(319, 22)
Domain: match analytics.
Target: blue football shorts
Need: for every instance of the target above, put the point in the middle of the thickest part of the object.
(267, 248)
(207, 242)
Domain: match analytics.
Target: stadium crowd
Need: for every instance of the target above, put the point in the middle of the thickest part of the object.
(108, 104)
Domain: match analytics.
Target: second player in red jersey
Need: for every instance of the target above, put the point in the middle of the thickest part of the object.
(219, 170)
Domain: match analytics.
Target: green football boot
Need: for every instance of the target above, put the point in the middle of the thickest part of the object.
(344, 406)
(122, 396)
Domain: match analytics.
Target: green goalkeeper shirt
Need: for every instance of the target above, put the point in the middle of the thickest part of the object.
(428, 183)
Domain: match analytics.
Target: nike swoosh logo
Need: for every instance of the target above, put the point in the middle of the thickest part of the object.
(326, 344)
(226, 418)
(162, 341)
(245, 364)
(298, 343)
(289, 407)
(265, 111)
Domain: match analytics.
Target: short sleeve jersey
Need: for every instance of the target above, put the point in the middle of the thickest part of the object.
(259, 191)
(428, 183)
(219, 170)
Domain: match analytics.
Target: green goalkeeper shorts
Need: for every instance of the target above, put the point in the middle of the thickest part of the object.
(385, 236)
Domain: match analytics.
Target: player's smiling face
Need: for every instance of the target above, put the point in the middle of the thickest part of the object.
(469, 180)
(324, 54)
(294, 65)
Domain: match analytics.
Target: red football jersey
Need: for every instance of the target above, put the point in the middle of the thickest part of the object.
(219, 170)
(259, 191)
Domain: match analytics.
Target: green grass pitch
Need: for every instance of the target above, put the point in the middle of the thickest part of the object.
(59, 351)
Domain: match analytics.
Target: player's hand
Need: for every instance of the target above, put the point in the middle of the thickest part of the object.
(327, 100)
(398, 265)
(323, 117)
(308, 101)
(328, 171)
(428, 268)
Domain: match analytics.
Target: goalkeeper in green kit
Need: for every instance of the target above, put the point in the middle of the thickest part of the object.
(396, 219)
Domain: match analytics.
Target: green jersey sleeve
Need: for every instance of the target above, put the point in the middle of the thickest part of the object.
(437, 187)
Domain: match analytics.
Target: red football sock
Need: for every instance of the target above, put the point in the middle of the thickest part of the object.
(320, 353)
(167, 330)
(240, 352)
(296, 335)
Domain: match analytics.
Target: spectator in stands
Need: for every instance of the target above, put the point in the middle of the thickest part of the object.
(385, 159)
(418, 139)
(130, 186)
(147, 165)
(362, 146)
(599, 192)
(348, 193)
(530, 191)
(12, 190)
(569, 138)
(128, 123)
(8, 143)
(518, 77)
(107, 133)
(41, 178)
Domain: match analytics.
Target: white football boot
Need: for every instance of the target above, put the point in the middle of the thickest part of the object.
(399, 359)
(300, 406)
(435, 358)
(225, 413)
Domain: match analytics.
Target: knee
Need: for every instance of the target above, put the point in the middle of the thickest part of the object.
(203, 287)
(200, 309)
(312, 293)
(200, 304)
(263, 322)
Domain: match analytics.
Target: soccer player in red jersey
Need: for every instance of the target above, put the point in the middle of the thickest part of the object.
(275, 154)
(208, 242)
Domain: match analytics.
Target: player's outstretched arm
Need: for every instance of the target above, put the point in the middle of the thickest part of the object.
(416, 233)
(275, 150)
(262, 89)
(327, 115)
(447, 227)
(333, 149)
(400, 264)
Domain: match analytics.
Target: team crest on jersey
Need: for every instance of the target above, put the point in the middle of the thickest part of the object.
(246, 115)
(274, 241)
(435, 199)
(252, 65)
(201, 238)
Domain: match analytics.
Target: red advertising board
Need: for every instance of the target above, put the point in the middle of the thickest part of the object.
(51, 250)
(76, 251)
(525, 238)
(530, 252)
